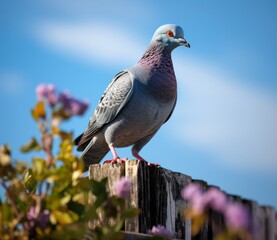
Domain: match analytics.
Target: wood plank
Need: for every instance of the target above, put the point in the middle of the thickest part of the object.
(157, 193)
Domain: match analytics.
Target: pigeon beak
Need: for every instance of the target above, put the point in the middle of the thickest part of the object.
(183, 42)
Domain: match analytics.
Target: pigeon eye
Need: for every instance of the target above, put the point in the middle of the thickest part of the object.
(170, 33)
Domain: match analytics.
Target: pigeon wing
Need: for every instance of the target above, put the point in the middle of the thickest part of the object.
(111, 103)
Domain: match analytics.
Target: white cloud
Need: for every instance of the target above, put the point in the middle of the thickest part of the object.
(234, 122)
(101, 43)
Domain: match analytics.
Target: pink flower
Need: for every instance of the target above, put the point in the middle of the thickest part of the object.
(62, 101)
(31, 216)
(48, 93)
(38, 220)
(194, 194)
(213, 198)
(216, 199)
(191, 192)
(199, 204)
(236, 216)
(42, 91)
(122, 187)
(160, 231)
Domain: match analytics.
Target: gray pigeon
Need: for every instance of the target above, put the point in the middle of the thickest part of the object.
(138, 101)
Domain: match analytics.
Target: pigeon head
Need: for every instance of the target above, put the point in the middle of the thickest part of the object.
(170, 35)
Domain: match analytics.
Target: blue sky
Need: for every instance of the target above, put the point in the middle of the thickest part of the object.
(224, 128)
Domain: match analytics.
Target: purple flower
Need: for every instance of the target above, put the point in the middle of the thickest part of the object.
(63, 102)
(196, 197)
(31, 216)
(216, 199)
(160, 231)
(48, 93)
(38, 220)
(31, 213)
(200, 204)
(43, 219)
(236, 216)
(122, 187)
(78, 107)
(213, 198)
(71, 105)
(42, 91)
(191, 191)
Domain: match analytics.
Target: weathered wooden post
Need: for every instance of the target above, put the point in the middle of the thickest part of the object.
(157, 193)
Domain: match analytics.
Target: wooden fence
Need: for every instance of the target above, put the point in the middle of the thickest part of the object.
(157, 193)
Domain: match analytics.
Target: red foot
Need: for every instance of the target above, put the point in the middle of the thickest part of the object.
(116, 160)
(153, 164)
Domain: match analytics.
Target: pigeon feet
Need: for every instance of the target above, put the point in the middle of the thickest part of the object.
(116, 158)
(153, 164)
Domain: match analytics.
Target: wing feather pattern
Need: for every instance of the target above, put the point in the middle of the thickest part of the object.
(112, 101)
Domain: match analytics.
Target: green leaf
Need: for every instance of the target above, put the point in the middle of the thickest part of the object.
(5, 156)
(91, 213)
(85, 184)
(28, 180)
(52, 202)
(61, 178)
(6, 212)
(65, 217)
(110, 209)
(32, 145)
(39, 111)
(39, 167)
(118, 225)
(81, 198)
(23, 204)
(99, 188)
(65, 200)
(77, 207)
(65, 153)
(67, 232)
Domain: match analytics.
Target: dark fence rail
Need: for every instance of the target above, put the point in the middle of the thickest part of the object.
(157, 193)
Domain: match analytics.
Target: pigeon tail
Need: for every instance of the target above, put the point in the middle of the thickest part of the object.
(78, 139)
(93, 150)
(95, 155)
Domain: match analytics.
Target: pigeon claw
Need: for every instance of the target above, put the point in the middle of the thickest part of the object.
(153, 164)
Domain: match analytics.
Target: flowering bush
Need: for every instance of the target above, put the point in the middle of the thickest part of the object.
(49, 199)
(235, 217)
(62, 102)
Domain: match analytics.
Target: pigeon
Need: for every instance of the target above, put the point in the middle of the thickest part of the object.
(137, 102)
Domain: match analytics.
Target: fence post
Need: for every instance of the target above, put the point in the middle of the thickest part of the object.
(157, 193)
